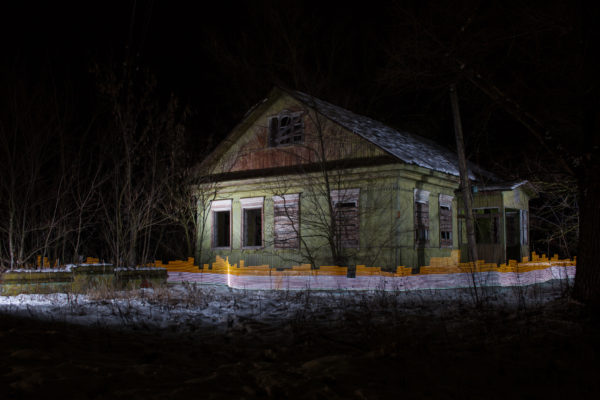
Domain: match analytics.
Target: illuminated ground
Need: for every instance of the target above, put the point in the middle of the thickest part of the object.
(188, 342)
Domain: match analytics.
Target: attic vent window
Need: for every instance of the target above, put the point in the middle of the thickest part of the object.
(286, 129)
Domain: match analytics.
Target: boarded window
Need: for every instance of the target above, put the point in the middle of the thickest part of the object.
(252, 222)
(421, 217)
(487, 225)
(345, 207)
(445, 221)
(221, 223)
(285, 129)
(286, 224)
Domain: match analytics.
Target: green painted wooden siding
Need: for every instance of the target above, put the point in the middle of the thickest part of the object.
(386, 212)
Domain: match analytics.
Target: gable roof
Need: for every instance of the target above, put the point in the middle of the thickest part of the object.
(407, 147)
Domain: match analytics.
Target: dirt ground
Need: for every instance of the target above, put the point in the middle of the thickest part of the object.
(548, 351)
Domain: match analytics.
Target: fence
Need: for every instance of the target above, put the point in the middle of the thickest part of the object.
(442, 273)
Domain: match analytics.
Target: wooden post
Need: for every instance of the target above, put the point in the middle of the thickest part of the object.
(465, 185)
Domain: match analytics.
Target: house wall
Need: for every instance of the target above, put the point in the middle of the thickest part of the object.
(386, 213)
(502, 200)
(386, 201)
(518, 199)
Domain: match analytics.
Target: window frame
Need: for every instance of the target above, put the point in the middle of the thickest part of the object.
(275, 130)
(217, 206)
(252, 203)
(345, 196)
(421, 197)
(445, 207)
(491, 214)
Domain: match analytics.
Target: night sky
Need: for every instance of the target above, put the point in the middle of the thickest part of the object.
(211, 58)
(221, 59)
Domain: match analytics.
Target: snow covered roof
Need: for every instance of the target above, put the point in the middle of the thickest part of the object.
(502, 186)
(407, 147)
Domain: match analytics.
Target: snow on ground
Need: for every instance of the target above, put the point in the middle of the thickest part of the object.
(189, 307)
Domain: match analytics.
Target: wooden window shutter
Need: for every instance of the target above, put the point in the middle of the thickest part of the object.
(345, 206)
(445, 220)
(421, 217)
(286, 224)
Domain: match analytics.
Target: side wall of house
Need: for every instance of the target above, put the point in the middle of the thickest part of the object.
(499, 202)
(386, 211)
(519, 199)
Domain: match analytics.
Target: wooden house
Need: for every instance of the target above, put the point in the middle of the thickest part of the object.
(302, 181)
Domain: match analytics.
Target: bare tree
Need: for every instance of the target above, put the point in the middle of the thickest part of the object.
(35, 210)
(511, 58)
(138, 151)
(338, 202)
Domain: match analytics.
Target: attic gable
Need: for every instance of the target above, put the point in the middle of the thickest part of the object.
(253, 144)
(346, 136)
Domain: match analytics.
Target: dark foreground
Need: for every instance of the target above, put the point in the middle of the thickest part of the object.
(540, 352)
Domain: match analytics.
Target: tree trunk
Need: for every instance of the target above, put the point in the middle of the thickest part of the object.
(587, 279)
(465, 185)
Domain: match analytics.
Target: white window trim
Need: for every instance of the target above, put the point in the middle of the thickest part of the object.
(421, 196)
(253, 203)
(446, 200)
(219, 206)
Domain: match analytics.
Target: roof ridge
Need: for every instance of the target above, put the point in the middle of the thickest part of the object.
(406, 146)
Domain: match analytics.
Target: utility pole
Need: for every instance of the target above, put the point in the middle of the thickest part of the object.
(465, 185)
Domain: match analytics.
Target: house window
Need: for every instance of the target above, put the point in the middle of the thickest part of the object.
(286, 224)
(421, 217)
(285, 129)
(221, 223)
(252, 222)
(487, 225)
(445, 220)
(345, 207)
(513, 231)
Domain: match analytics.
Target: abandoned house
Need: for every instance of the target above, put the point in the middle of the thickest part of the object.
(302, 181)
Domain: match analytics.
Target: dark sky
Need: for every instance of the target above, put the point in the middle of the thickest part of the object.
(220, 58)
(223, 57)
